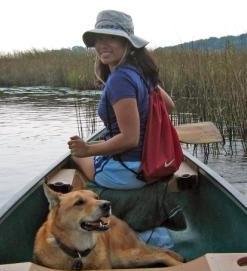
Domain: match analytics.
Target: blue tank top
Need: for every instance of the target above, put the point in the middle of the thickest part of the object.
(124, 82)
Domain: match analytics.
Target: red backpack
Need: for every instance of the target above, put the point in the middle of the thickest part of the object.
(162, 153)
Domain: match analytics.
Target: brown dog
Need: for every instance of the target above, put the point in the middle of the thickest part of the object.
(80, 234)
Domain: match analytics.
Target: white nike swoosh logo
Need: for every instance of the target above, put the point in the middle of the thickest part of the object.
(167, 164)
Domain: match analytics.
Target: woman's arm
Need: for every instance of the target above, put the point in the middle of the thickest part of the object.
(128, 120)
(167, 99)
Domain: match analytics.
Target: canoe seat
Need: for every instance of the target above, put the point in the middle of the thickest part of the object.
(66, 180)
(186, 177)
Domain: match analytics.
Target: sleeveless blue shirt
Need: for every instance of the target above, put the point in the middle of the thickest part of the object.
(124, 82)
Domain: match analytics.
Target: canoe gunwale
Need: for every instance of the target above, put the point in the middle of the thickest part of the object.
(21, 195)
(219, 181)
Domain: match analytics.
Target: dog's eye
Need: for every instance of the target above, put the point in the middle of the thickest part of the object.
(79, 202)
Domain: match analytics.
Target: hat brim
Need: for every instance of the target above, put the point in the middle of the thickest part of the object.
(89, 37)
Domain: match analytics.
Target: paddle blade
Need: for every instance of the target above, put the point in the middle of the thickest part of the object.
(198, 133)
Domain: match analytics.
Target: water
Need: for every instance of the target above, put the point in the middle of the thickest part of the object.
(36, 123)
(232, 168)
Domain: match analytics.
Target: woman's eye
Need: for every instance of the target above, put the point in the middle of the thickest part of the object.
(79, 202)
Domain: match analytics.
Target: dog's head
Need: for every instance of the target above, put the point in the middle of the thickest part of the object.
(79, 210)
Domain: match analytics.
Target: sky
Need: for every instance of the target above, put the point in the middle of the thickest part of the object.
(56, 24)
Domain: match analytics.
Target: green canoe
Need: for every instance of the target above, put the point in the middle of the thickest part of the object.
(216, 215)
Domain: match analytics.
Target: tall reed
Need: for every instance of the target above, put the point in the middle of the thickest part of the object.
(64, 68)
(206, 85)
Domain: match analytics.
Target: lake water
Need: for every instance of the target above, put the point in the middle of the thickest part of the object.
(36, 123)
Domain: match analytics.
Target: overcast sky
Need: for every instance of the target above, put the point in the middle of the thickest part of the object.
(55, 24)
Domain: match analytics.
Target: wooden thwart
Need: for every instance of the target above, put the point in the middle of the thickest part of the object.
(198, 133)
(67, 177)
(185, 172)
(208, 262)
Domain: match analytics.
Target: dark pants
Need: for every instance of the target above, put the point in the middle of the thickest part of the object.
(143, 208)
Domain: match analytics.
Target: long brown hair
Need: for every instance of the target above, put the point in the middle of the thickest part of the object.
(144, 61)
(141, 58)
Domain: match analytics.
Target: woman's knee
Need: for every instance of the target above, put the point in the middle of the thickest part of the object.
(86, 165)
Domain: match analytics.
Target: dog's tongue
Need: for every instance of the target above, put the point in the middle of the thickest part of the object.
(99, 225)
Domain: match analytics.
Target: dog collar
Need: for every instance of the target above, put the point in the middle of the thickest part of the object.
(76, 254)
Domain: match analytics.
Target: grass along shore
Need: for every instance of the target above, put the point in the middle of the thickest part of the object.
(60, 68)
(206, 85)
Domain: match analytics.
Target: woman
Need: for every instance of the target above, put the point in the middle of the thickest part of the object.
(128, 73)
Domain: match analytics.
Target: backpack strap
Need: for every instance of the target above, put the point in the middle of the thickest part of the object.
(116, 156)
(149, 88)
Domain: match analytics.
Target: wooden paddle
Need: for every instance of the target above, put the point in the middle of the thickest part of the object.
(198, 133)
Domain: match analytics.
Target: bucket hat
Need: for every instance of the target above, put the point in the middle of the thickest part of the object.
(112, 22)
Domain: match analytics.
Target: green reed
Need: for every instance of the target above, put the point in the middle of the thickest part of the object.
(206, 85)
(54, 68)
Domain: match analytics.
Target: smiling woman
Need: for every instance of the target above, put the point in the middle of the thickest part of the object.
(128, 74)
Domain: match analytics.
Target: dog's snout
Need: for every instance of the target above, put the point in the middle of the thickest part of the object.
(106, 206)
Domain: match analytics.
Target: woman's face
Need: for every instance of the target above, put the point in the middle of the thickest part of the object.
(110, 49)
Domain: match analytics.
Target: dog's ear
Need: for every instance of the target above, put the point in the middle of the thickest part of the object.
(52, 196)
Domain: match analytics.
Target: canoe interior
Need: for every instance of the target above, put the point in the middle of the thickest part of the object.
(216, 222)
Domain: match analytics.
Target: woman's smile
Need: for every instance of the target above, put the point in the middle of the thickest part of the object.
(105, 54)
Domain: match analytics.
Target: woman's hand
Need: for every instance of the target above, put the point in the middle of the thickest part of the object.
(78, 147)
(129, 125)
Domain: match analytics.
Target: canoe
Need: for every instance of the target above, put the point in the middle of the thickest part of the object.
(216, 215)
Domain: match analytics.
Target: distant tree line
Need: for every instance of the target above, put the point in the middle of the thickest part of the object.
(237, 42)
